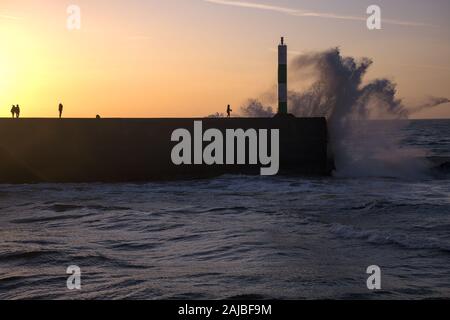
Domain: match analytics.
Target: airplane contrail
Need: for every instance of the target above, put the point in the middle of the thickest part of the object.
(305, 13)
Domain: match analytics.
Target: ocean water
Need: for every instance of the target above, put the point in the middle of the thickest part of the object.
(233, 236)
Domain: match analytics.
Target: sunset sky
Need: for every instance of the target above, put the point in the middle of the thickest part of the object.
(169, 58)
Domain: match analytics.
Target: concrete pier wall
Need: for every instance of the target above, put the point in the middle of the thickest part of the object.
(127, 150)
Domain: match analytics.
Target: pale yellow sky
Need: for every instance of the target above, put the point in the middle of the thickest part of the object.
(177, 58)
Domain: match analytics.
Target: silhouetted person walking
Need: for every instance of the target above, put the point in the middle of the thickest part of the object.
(61, 109)
(229, 111)
(17, 112)
(13, 111)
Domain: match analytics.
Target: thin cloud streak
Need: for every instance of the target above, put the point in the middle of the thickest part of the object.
(304, 13)
(253, 5)
(139, 37)
(8, 17)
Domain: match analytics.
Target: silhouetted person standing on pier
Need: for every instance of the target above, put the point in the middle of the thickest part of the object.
(229, 111)
(13, 111)
(61, 109)
(17, 112)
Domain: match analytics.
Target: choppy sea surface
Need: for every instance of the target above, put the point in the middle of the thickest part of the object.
(233, 236)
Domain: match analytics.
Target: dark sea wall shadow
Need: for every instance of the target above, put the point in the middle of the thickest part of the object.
(122, 150)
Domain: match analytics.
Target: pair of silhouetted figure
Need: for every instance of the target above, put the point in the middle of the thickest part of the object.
(229, 111)
(15, 111)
